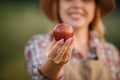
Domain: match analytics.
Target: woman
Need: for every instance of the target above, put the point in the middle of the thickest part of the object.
(87, 56)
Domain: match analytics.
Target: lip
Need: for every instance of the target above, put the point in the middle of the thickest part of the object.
(75, 15)
(77, 11)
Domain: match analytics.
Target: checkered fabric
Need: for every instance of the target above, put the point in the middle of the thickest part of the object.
(37, 50)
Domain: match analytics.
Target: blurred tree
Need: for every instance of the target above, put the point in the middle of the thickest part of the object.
(118, 2)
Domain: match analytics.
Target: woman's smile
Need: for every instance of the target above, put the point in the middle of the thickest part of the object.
(75, 15)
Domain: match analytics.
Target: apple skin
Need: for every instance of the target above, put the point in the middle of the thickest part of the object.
(62, 31)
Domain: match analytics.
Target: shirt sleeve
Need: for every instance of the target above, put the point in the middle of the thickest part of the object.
(35, 55)
(116, 60)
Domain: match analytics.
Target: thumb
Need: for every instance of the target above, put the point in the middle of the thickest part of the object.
(53, 42)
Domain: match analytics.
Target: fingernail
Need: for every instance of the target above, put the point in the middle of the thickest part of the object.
(69, 40)
(72, 39)
(61, 41)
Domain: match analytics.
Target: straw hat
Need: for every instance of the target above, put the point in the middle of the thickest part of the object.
(50, 8)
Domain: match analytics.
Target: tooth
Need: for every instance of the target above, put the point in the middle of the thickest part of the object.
(75, 15)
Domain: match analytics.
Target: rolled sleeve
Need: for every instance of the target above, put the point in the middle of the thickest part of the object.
(36, 52)
(34, 58)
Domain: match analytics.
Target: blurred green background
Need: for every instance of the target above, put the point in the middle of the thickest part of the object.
(19, 21)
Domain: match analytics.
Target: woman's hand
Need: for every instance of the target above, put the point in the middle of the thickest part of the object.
(61, 52)
(59, 55)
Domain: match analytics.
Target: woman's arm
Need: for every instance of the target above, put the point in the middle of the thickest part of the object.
(42, 67)
(59, 55)
(35, 55)
(114, 55)
(117, 54)
(51, 70)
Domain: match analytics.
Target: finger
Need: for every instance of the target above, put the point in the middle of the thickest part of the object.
(69, 48)
(57, 59)
(66, 59)
(54, 41)
(68, 53)
(60, 54)
(65, 46)
(56, 48)
(58, 45)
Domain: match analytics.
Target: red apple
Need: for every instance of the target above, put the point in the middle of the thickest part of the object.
(62, 31)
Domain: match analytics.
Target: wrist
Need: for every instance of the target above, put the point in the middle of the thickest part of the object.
(52, 63)
(52, 70)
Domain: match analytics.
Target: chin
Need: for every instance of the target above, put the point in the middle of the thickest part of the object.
(77, 25)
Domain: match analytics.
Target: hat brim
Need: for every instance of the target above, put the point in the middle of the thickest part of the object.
(106, 7)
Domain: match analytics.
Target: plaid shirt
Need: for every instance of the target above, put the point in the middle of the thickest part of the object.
(37, 49)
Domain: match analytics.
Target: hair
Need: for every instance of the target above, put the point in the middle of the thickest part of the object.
(96, 25)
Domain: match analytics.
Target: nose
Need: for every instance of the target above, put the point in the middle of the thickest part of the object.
(77, 3)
